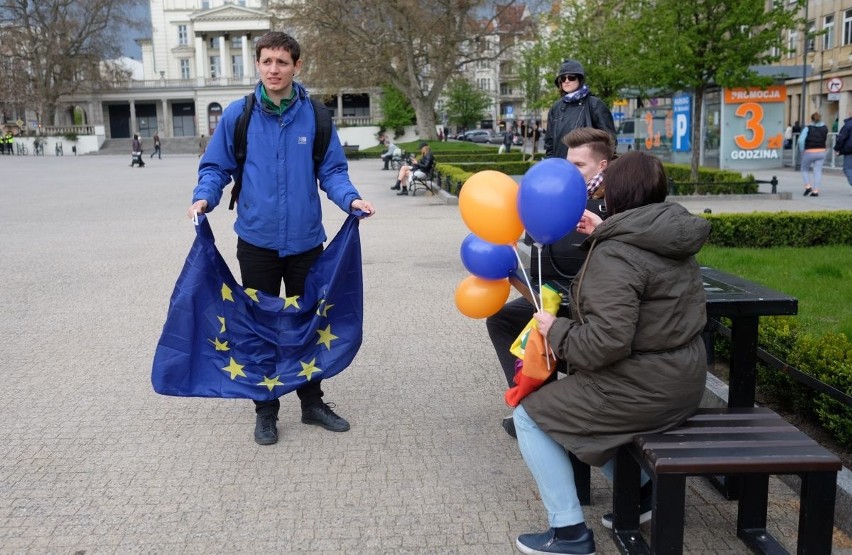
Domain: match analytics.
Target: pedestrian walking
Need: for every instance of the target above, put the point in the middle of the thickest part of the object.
(136, 153)
(843, 145)
(157, 147)
(812, 143)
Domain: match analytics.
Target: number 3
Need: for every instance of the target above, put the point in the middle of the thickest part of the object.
(754, 113)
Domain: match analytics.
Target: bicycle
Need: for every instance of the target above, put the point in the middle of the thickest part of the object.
(21, 149)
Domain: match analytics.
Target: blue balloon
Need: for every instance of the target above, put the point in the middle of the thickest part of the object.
(487, 260)
(551, 199)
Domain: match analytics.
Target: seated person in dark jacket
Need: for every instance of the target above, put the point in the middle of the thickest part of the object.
(590, 150)
(421, 169)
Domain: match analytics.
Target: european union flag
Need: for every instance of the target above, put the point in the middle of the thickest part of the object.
(223, 340)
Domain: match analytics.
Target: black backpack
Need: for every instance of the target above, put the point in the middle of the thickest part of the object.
(322, 138)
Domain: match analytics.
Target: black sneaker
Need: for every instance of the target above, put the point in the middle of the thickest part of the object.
(547, 542)
(644, 513)
(265, 431)
(404, 192)
(321, 414)
(509, 426)
(395, 188)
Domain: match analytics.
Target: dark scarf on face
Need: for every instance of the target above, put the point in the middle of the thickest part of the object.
(576, 96)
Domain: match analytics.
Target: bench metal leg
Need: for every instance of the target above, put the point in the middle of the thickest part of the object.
(667, 522)
(751, 515)
(625, 504)
(816, 512)
(582, 479)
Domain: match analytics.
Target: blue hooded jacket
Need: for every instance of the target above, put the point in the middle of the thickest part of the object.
(279, 205)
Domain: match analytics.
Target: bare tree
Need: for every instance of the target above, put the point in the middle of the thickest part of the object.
(59, 47)
(412, 45)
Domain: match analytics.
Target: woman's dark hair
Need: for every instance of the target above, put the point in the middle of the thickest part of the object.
(275, 40)
(634, 179)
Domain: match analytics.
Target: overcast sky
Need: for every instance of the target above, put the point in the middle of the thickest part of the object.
(129, 47)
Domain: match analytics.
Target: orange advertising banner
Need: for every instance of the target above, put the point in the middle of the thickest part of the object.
(775, 93)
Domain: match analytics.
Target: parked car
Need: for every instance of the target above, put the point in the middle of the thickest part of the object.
(478, 136)
(497, 139)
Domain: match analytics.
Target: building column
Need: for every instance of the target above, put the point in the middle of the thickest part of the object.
(248, 61)
(167, 120)
(224, 59)
(133, 128)
(200, 59)
(339, 107)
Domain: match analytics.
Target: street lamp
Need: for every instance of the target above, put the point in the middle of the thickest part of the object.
(804, 69)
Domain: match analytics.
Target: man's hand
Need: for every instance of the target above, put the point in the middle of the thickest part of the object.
(588, 222)
(363, 206)
(199, 207)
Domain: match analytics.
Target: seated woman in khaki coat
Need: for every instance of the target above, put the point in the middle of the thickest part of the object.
(636, 360)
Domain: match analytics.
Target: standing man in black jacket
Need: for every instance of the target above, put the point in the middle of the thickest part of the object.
(577, 108)
(843, 145)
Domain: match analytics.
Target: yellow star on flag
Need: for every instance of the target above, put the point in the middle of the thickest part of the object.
(252, 293)
(235, 369)
(226, 293)
(291, 301)
(323, 308)
(219, 345)
(326, 337)
(221, 321)
(309, 369)
(270, 382)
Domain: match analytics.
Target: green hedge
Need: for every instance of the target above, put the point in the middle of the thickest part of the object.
(782, 229)
(456, 157)
(827, 359)
(712, 181)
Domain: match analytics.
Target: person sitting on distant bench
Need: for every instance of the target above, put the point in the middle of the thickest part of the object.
(420, 170)
(387, 156)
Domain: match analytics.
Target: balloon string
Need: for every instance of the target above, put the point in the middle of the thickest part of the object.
(541, 294)
(526, 277)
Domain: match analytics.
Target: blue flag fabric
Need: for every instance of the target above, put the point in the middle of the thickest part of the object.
(223, 340)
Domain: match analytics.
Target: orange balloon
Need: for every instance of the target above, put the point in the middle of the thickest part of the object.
(488, 202)
(481, 298)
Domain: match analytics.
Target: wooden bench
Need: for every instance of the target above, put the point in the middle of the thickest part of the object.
(751, 443)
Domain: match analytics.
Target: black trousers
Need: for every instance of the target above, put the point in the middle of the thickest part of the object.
(264, 270)
(505, 326)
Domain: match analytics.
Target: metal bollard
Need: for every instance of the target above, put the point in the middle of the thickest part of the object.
(774, 182)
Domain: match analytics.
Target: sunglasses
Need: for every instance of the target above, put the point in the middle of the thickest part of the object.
(569, 77)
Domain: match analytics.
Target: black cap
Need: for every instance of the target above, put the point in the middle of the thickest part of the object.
(569, 67)
(424, 143)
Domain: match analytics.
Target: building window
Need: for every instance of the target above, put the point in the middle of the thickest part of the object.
(183, 37)
(847, 27)
(215, 67)
(484, 84)
(237, 65)
(236, 42)
(809, 36)
(184, 68)
(792, 40)
(214, 42)
(828, 32)
(205, 4)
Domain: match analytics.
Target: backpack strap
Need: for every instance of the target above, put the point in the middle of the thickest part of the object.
(322, 139)
(240, 145)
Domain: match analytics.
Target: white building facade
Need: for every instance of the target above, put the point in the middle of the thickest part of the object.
(199, 58)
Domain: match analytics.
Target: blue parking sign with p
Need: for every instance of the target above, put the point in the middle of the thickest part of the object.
(682, 110)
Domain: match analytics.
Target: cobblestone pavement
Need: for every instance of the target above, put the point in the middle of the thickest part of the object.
(93, 461)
